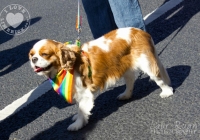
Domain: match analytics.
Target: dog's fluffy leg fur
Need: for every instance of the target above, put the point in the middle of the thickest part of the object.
(129, 78)
(85, 102)
(156, 71)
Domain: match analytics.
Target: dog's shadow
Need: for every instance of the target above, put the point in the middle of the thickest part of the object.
(106, 104)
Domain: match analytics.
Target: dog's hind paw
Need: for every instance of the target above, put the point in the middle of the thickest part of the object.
(124, 96)
(166, 93)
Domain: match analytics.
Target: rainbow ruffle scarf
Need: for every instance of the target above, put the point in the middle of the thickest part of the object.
(63, 84)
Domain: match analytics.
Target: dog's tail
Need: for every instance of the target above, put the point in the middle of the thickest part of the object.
(158, 69)
(163, 73)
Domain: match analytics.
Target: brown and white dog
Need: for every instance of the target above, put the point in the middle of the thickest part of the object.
(117, 54)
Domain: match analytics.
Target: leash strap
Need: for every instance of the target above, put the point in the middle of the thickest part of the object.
(78, 21)
(63, 82)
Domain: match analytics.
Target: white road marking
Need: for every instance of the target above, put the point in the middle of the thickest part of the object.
(25, 100)
(161, 10)
(45, 87)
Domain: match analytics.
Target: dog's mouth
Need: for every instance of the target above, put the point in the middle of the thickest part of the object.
(39, 69)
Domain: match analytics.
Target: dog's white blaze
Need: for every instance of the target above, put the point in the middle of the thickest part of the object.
(39, 44)
(37, 48)
(124, 33)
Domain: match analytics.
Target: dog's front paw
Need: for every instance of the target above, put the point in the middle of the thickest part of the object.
(166, 92)
(78, 124)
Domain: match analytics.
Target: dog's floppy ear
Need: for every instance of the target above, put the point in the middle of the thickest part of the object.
(67, 57)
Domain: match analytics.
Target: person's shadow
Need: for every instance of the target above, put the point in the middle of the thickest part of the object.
(14, 58)
(172, 20)
(106, 103)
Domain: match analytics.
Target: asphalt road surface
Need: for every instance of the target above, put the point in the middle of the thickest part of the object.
(44, 115)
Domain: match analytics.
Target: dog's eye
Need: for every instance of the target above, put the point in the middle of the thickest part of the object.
(31, 54)
(45, 54)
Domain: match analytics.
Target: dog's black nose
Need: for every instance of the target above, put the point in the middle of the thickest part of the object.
(34, 59)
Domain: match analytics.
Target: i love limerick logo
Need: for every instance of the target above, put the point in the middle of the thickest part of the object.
(14, 19)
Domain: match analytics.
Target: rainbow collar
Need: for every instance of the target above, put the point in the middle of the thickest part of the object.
(63, 84)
